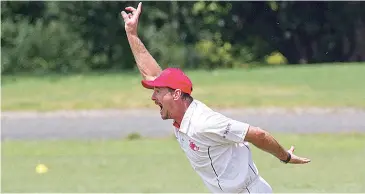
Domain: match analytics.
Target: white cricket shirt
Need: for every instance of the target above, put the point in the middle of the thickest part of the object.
(214, 145)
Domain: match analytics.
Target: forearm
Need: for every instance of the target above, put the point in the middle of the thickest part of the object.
(146, 64)
(268, 143)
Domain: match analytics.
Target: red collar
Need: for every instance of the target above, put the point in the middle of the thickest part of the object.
(176, 125)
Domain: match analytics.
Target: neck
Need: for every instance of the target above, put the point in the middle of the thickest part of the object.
(180, 111)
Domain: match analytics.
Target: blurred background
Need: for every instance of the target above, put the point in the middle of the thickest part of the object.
(82, 36)
(75, 117)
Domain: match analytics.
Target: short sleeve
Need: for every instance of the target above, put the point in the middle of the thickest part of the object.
(224, 130)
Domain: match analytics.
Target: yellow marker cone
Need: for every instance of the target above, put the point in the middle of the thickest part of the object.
(41, 168)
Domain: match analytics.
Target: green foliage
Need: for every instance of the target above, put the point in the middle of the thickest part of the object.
(203, 7)
(215, 53)
(273, 5)
(100, 25)
(89, 35)
(276, 58)
(41, 48)
(218, 53)
(164, 44)
(20, 10)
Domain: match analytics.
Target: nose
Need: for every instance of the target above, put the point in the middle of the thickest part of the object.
(153, 97)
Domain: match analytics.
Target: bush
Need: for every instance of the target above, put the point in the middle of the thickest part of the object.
(216, 53)
(41, 48)
(164, 45)
(276, 58)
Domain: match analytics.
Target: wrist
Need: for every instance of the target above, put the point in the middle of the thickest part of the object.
(287, 159)
(132, 34)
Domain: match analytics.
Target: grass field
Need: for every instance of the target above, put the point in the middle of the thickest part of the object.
(306, 86)
(158, 165)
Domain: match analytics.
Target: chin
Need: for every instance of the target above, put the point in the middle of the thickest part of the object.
(164, 117)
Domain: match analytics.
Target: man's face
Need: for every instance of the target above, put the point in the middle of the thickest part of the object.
(163, 98)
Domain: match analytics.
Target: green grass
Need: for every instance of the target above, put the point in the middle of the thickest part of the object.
(158, 165)
(303, 86)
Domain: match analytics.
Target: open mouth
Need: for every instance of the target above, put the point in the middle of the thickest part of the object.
(160, 105)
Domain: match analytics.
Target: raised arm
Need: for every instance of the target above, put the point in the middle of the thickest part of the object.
(147, 65)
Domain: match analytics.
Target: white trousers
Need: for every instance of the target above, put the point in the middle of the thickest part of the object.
(258, 186)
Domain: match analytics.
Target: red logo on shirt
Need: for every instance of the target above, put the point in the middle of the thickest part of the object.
(193, 146)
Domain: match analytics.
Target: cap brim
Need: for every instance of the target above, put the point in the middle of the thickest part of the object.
(151, 84)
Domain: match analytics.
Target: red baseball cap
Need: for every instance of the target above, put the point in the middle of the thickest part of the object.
(173, 78)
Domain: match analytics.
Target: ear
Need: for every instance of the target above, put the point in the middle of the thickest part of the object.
(177, 94)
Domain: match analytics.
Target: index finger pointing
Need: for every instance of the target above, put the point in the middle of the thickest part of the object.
(139, 8)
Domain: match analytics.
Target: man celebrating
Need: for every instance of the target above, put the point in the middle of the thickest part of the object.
(216, 146)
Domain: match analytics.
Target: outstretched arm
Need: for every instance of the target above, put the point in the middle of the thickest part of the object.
(225, 130)
(146, 64)
(266, 142)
